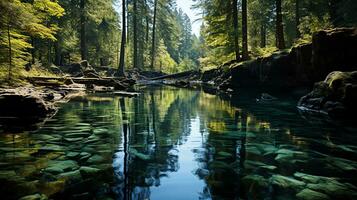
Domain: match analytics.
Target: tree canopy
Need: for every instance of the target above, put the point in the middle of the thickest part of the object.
(158, 35)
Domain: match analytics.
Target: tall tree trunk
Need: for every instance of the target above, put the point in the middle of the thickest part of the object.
(333, 6)
(49, 52)
(153, 48)
(262, 35)
(280, 43)
(121, 71)
(57, 54)
(128, 22)
(297, 17)
(245, 55)
(235, 27)
(10, 51)
(135, 29)
(147, 22)
(83, 31)
(33, 50)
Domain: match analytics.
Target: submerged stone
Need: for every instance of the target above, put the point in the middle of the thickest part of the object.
(72, 155)
(139, 155)
(255, 182)
(54, 170)
(77, 135)
(56, 167)
(71, 177)
(285, 182)
(88, 172)
(307, 194)
(34, 197)
(99, 131)
(312, 178)
(335, 189)
(95, 159)
(84, 156)
(224, 154)
(74, 139)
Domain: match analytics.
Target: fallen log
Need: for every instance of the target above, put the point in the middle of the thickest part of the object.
(177, 75)
(117, 82)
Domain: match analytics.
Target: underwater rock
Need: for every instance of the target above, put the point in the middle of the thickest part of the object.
(139, 155)
(312, 178)
(57, 167)
(51, 147)
(342, 164)
(307, 194)
(54, 170)
(74, 139)
(99, 131)
(335, 189)
(285, 182)
(224, 154)
(34, 197)
(7, 174)
(71, 177)
(88, 172)
(84, 156)
(336, 96)
(72, 155)
(202, 173)
(256, 182)
(77, 135)
(95, 159)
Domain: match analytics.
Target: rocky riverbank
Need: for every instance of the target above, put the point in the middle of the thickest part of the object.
(336, 96)
(330, 50)
(25, 108)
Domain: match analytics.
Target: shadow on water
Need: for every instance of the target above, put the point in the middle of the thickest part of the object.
(171, 143)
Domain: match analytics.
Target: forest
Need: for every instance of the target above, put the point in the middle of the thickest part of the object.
(157, 35)
(178, 99)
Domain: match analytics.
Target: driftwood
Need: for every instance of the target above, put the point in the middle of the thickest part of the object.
(177, 75)
(117, 83)
(126, 94)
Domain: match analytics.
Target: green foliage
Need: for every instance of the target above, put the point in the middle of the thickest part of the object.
(264, 52)
(310, 24)
(18, 21)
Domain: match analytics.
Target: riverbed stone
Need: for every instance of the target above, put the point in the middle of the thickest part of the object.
(88, 172)
(308, 178)
(84, 156)
(224, 154)
(139, 155)
(77, 135)
(307, 194)
(54, 170)
(57, 167)
(95, 159)
(72, 155)
(34, 197)
(99, 131)
(255, 181)
(51, 147)
(335, 189)
(285, 182)
(74, 139)
(71, 177)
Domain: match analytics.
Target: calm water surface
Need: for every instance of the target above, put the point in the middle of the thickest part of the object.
(174, 143)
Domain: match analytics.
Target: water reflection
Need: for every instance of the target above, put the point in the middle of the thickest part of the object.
(171, 143)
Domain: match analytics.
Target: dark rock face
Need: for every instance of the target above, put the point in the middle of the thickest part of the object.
(334, 50)
(331, 50)
(23, 108)
(336, 96)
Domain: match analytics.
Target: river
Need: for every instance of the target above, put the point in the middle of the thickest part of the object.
(172, 143)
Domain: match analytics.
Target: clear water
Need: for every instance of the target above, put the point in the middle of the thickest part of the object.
(174, 143)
